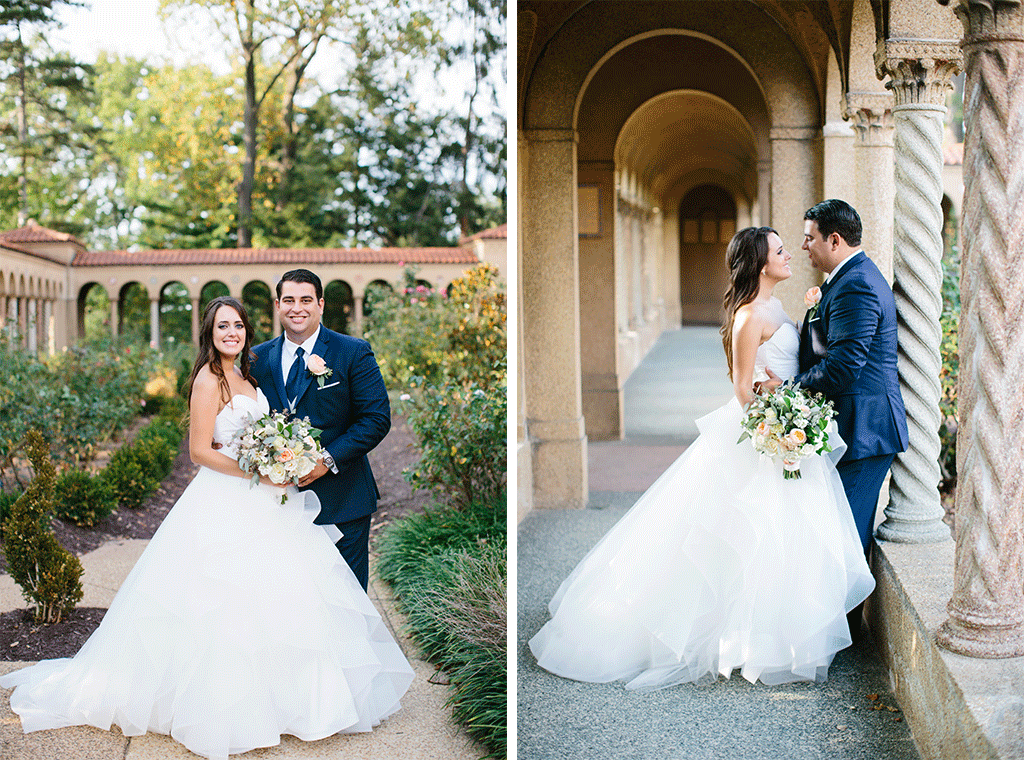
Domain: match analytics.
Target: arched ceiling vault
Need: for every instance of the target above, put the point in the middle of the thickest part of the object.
(684, 132)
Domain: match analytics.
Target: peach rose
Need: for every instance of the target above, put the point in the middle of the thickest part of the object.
(812, 297)
(797, 437)
(316, 364)
(285, 455)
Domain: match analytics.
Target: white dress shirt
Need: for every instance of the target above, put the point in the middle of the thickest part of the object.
(288, 354)
(840, 265)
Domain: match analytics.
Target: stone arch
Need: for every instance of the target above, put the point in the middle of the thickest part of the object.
(175, 313)
(134, 312)
(210, 290)
(258, 300)
(707, 222)
(375, 290)
(93, 313)
(339, 306)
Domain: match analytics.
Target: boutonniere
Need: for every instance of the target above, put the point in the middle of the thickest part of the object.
(318, 368)
(811, 300)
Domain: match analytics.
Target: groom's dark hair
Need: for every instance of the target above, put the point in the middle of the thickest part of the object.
(837, 216)
(301, 275)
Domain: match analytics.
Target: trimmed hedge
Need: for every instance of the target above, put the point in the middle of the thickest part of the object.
(448, 568)
(82, 499)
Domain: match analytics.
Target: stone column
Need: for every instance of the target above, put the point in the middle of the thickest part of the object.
(154, 322)
(357, 316)
(986, 613)
(920, 74)
(872, 117)
(115, 318)
(195, 321)
(764, 194)
(32, 325)
(795, 187)
(551, 321)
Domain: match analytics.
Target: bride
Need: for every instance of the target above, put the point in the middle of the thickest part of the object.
(722, 563)
(240, 622)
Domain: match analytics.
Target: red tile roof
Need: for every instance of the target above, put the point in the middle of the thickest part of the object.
(34, 233)
(276, 256)
(11, 247)
(495, 233)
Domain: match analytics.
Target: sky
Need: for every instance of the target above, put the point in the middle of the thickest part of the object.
(134, 28)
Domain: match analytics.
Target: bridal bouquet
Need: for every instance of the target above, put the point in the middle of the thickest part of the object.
(281, 447)
(788, 424)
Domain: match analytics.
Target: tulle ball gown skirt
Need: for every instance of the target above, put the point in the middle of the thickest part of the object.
(239, 623)
(721, 564)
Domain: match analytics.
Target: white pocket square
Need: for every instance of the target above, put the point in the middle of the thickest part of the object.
(329, 385)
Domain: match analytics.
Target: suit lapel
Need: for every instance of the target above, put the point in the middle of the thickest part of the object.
(274, 357)
(306, 377)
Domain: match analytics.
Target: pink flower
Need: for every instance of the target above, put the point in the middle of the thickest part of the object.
(285, 455)
(812, 297)
(316, 365)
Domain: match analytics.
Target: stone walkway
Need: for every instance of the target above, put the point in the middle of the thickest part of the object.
(421, 730)
(682, 377)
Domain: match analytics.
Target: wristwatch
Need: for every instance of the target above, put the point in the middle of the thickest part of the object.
(329, 462)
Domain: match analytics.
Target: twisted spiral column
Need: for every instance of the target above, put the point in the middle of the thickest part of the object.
(986, 612)
(920, 76)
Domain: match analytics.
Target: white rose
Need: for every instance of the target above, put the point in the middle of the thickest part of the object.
(277, 473)
(305, 466)
(280, 443)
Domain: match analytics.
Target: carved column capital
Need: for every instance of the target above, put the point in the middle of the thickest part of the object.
(919, 71)
(989, 20)
(871, 114)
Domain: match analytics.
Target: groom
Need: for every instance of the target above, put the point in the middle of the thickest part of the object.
(334, 380)
(848, 353)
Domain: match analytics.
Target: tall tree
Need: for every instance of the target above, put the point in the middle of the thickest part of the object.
(42, 91)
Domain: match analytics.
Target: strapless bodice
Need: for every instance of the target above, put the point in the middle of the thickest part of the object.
(780, 353)
(236, 415)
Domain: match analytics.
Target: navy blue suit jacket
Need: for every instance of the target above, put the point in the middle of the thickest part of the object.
(351, 409)
(848, 353)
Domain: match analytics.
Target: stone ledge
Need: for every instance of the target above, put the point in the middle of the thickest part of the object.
(957, 707)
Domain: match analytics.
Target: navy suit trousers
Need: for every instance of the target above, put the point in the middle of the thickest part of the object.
(354, 547)
(862, 480)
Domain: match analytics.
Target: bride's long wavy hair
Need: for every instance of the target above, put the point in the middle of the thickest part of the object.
(208, 353)
(747, 254)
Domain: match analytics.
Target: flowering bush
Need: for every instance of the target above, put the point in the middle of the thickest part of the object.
(788, 424)
(86, 395)
(462, 434)
(422, 335)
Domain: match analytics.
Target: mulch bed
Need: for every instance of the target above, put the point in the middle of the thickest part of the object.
(22, 640)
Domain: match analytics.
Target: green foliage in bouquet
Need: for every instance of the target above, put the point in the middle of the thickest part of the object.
(49, 576)
(82, 499)
(789, 424)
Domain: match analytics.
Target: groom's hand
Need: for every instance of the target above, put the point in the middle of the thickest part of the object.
(767, 386)
(317, 472)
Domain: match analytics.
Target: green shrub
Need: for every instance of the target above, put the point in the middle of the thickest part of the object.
(7, 499)
(49, 576)
(156, 456)
(162, 429)
(448, 569)
(417, 332)
(82, 499)
(948, 374)
(127, 478)
(462, 437)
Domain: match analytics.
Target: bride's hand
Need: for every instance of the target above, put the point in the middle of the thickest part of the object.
(769, 385)
(266, 481)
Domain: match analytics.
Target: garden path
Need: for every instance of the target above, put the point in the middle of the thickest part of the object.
(421, 730)
(682, 378)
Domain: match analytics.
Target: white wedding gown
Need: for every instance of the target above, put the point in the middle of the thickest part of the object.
(239, 623)
(721, 564)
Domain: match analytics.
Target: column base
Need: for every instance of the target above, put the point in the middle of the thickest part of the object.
(993, 642)
(914, 532)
